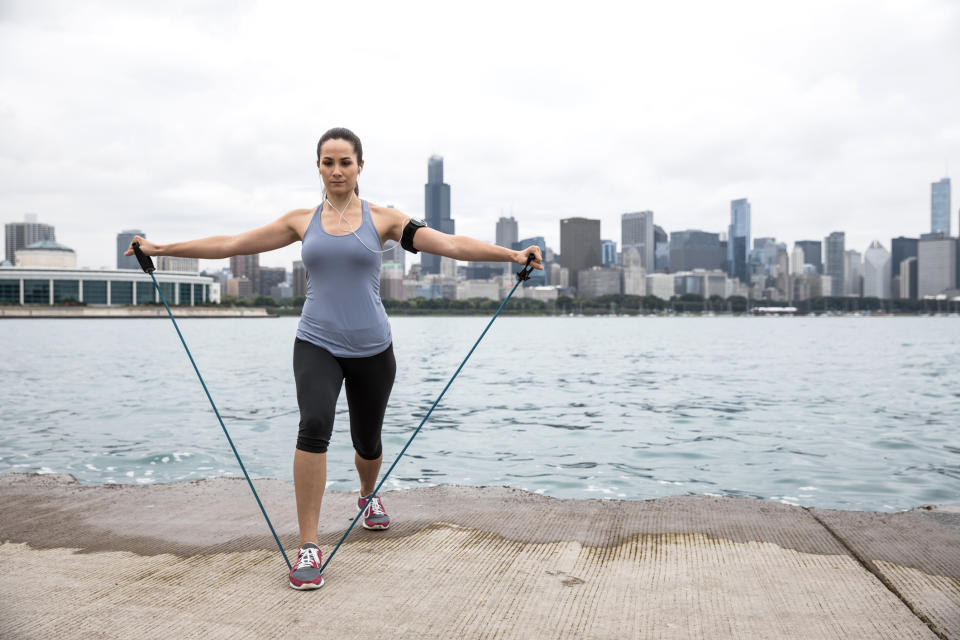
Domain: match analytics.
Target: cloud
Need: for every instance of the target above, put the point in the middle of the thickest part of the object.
(190, 120)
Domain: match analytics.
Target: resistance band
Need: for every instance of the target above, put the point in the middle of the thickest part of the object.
(146, 263)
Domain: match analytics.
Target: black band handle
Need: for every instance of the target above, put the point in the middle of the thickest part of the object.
(524, 274)
(146, 262)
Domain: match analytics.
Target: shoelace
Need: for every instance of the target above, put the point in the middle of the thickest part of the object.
(376, 507)
(308, 557)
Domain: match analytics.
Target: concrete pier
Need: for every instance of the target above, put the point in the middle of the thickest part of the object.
(196, 560)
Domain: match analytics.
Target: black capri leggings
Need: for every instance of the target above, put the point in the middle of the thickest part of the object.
(320, 374)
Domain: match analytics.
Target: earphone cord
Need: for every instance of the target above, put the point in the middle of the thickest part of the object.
(353, 231)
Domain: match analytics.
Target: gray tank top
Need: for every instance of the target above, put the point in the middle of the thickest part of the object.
(343, 312)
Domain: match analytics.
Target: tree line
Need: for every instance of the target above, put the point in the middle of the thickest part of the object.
(616, 303)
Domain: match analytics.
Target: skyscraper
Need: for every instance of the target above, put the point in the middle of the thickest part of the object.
(940, 206)
(21, 234)
(876, 272)
(124, 238)
(812, 253)
(608, 253)
(738, 238)
(853, 272)
(437, 210)
(506, 236)
(248, 267)
(299, 279)
(507, 233)
(900, 249)
(797, 260)
(579, 245)
(661, 251)
(269, 278)
(537, 278)
(636, 230)
(835, 245)
(693, 249)
(909, 283)
(936, 264)
(764, 256)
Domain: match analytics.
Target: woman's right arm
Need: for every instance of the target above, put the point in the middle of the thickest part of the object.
(279, 233)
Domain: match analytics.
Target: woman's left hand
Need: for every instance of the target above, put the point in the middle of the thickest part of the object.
(520, 257)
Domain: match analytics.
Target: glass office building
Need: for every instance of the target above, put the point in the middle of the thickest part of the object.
(940, 206)
(738, 239)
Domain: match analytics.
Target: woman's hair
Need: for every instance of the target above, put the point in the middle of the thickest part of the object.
(341, 133)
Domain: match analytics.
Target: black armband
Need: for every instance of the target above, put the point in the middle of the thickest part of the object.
(406, 240)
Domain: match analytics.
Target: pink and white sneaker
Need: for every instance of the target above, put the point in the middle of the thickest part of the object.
(374, 516)
(305, 573)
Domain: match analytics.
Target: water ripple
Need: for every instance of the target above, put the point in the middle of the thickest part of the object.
(829, 413)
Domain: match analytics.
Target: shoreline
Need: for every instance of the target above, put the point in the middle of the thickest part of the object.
(157, 560)
(70, 478)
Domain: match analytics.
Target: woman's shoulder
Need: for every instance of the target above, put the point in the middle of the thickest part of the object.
(387, 220)
(298, 220)
(376, 208)
(388, 213)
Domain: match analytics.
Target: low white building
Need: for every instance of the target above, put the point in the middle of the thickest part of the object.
(599, 281)
(558, 276)
(240, 287)
(660, 285)
(634, 281)
(47, 254)
(544, 294)
(391, 281)
(410, 288)
(108, 287)
(180, 265)
(282, 291)
(489, 289)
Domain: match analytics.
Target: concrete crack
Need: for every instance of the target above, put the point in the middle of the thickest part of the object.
(869, 566)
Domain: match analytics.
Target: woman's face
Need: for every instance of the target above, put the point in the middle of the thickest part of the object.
(338, 167)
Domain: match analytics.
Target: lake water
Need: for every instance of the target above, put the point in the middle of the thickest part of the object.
(847, 413)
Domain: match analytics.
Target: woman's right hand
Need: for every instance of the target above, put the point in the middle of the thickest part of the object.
(146, 246)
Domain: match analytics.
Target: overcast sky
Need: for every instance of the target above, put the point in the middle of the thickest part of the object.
(189, 119)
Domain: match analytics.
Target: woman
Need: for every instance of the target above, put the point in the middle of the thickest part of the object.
(344, 334)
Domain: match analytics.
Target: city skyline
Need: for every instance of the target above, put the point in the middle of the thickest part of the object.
(826, 116)
(740, 214)
(698, 264)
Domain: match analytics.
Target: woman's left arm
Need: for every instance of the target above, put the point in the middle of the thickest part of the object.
(462, 248)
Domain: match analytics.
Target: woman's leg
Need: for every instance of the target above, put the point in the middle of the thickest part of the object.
(368, 471)
(309, 481)
(319, 377)
(369, 382)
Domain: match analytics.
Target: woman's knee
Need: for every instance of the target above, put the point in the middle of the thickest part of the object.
(314, 435)
(368, 450)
